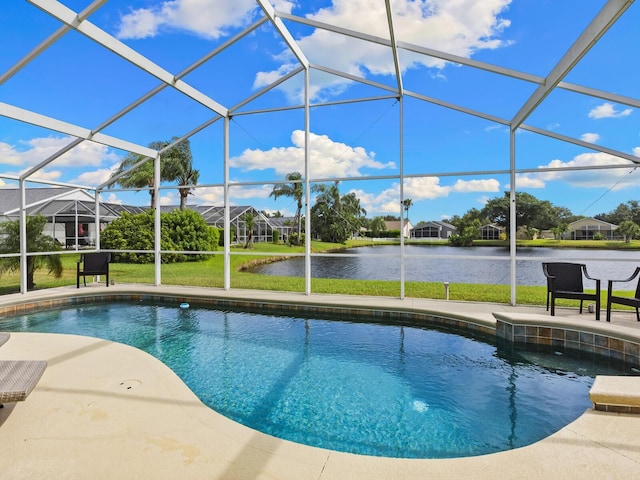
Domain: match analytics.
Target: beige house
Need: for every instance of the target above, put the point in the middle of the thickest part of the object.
(586, 228)
(404, 226)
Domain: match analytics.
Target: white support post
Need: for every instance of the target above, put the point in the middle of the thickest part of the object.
(307, 189)
(402, 224)
(512, 215)
(23, 237)
(227, 210)
(157, 225)
(97, 220)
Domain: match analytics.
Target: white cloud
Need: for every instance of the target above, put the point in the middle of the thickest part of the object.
(208, 196)
(95, 177)
(48, 175)
(483, 200)
(462, 28)
(590, 178)
(267, 78)
(246, 192)
(465, 186)
(9, 155)
(493, 127)
(209, 18)
(327, 158)
(527, 180)
(417, 189)
(34, 151)
(111, 198)
(590, 137)
(169, 198)
(608, 110)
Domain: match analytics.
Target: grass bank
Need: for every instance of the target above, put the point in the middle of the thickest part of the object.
(210, 273)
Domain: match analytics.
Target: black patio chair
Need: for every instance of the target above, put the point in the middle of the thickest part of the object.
(565, 280)
(95, 263)
(629, 301)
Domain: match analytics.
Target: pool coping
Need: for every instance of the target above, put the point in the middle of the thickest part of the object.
(598, 444)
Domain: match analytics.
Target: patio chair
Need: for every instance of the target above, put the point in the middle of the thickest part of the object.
(4, 336)
(96, 263)
(18, 378)
(629, 301)
(565, 280)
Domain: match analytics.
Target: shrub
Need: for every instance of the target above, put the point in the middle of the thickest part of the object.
(181, 230)
(293, 239)
(221, 236)
(457, 240)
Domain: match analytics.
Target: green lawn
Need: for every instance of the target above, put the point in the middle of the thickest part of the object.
(210, 273)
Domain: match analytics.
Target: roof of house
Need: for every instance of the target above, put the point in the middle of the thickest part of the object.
(492, 226)
(10, 197)
(397, 224)
(587, 221)
(281, 222)
(436, 223)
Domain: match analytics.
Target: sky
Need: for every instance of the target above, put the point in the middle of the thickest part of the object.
(449, 161)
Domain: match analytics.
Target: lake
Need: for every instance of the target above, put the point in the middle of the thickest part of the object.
(441, 263)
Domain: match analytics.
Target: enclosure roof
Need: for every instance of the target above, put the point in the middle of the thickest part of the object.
(10, 197)
(83, 84)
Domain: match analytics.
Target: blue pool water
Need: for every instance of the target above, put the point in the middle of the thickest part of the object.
(367, 388)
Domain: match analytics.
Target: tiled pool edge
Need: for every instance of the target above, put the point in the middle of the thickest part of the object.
(611, 394)
(417, 316)
(616, 342)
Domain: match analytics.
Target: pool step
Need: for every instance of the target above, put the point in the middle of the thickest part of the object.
(616, 394)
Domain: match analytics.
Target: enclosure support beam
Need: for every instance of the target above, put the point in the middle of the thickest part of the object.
(23, 237)
(512, 215)
(590, 35)
(401, 162)
(227, 210)
(157, 226)
(307, 188)
(97, 219)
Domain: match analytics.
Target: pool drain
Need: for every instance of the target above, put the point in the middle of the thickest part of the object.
(127, 385)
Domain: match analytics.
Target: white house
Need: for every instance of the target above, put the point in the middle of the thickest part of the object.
(433, 229)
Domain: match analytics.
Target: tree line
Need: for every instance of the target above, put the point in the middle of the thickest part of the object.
(534, 215)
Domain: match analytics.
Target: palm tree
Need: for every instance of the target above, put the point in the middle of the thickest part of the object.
(178, 167)
(37, 241)
(407, 203)
(140, 177)
(175, 165)
(629, 230)
(293, 190)
(249, 222)
(376, 226)
(336, 217)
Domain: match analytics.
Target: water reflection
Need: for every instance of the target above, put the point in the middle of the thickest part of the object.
(447, 264)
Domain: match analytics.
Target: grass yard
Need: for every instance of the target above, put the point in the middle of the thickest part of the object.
(210, 273)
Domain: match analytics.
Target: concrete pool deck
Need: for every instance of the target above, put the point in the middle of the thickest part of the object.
(104, 410)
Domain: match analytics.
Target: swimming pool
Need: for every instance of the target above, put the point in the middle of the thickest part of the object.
(367, 388)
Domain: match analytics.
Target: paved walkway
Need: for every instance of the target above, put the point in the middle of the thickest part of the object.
(108, 411)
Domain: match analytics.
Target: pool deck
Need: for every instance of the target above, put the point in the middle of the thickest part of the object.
(104, 410)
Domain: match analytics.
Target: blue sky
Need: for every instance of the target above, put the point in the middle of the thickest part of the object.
(451, 159)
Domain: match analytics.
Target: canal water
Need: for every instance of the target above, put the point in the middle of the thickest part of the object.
(441, 263)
